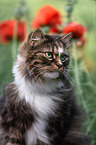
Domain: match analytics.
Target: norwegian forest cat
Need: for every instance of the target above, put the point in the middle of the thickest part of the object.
(39, 107)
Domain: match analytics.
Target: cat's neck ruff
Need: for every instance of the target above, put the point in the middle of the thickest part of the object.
(37, 95)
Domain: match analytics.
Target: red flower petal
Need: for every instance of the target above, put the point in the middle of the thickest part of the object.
(47, 15)
(21, 31)
(77, 29)
(7, 30)
(54, 29)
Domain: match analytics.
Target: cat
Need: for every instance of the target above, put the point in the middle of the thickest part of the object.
(39, 106)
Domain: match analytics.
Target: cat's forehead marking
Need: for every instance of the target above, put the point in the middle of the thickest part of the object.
(60, 50)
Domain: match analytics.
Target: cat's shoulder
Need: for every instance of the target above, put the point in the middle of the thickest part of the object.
(9, 91)
(9, 88)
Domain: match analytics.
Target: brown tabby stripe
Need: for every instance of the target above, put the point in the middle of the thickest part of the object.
(54, 47)
(57, 45)
(61, 44)
(35, 61)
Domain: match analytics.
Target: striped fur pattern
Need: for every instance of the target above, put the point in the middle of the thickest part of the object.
(39, 107)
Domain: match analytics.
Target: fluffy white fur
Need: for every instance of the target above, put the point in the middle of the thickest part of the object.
(60, 50)
(38, 97)
(51, 75)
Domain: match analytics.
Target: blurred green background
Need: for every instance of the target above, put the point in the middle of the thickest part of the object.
(84, 13)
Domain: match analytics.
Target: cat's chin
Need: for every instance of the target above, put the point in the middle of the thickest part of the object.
(52, 75)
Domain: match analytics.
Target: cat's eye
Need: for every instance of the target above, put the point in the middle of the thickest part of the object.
(49, 55)
(63, 57)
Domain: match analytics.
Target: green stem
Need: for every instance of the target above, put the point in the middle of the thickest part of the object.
(77, 79)
(14, 43)
(69, 18)
(89, 79)
(89, 128)
(94, 21)
(76, 72)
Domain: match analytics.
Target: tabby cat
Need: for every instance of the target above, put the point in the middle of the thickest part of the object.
(39, 107)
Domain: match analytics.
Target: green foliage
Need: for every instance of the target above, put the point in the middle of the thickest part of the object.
(85, 83)
(5, 65)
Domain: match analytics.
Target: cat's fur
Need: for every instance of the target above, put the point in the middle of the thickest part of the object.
(39, 107)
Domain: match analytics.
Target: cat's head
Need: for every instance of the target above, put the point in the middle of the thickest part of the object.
(44, 56)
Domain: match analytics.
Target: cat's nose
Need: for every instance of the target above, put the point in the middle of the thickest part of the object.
(59, 65)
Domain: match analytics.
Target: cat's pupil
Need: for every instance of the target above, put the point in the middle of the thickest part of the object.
(49, 55)
(63, 57)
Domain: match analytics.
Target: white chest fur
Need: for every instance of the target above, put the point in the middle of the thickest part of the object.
(43, 105)
(39, 99)
(37, 131)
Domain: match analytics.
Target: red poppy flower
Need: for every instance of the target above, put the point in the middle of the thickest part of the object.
(47, 15)
(7, 30)
(54, 29)
(21, 30)
(77, 29)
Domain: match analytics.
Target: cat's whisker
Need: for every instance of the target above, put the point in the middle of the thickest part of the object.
(68, 70)
(80, 68)
(33, 70)
(27, 74)
(69, 67)
(68, 46)
(38, 77)
(69, 80)
(39, 74)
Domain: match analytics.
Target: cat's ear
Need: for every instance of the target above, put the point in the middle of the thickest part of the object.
(67, 39)
(36, 36)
